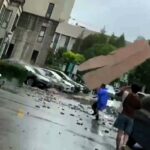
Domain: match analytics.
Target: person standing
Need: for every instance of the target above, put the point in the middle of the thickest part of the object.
(125, 120)
(103, 97)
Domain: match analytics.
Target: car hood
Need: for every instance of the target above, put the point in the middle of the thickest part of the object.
(67, 83)
(42, 78)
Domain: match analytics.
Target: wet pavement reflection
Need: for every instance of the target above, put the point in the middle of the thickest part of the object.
(37, 120)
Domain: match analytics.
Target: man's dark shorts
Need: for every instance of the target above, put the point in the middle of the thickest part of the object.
(124, 123)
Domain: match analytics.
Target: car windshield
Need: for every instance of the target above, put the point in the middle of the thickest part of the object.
(29, 69)
(40, 71)
(53, 74)
(63, 75)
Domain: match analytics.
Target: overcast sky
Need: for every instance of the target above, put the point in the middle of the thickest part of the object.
(131, 17)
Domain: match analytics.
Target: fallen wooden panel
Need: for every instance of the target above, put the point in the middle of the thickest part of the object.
(118, 56)
(113, 71)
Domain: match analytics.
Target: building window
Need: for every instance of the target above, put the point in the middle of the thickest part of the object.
(56, 40)
(66, 42)
(50, 10)
(15, 23)
(34, 56)
(5, 17)
(41, 34)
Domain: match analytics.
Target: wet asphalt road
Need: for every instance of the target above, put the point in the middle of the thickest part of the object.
(28, 122)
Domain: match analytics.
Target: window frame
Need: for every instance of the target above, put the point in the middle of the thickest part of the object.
(41, 36)
(49, 12)
(4, 19)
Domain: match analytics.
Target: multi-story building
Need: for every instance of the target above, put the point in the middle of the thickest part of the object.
(10, 11)
(1, 2)
(66, 35)
(36, 27)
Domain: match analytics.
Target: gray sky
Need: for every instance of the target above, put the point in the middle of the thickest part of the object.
(131, 17)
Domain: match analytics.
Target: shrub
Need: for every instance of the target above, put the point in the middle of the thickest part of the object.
(10, 71)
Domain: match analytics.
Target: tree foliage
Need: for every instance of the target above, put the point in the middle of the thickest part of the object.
(99, 44)
(141, 75)
(98, 49)
(71, 57)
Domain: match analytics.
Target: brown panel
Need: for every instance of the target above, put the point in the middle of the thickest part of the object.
(118, 56)
(111, 72)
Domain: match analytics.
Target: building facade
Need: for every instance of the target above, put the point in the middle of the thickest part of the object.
(10, 11)
(67, 34)
(36, 27)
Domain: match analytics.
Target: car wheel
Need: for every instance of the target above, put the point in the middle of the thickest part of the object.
(30, 82)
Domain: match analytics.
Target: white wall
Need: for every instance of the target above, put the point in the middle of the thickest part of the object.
(61, 42)
(71, 43)
(62, 9)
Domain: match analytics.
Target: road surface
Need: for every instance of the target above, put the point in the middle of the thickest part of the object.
(28, 122)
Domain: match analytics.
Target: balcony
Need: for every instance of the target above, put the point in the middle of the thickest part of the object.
(21, 2)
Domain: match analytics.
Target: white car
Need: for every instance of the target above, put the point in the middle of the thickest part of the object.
(78, 87)
(60, 82)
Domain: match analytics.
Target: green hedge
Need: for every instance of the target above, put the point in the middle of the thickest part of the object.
(10, 71)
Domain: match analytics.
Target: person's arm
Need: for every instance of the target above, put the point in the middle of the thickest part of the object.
(122, 90)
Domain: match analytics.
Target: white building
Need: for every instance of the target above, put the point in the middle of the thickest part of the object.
(67, 34)
(10, 11)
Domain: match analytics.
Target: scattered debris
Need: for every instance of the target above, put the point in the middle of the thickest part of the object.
(79, 123)
(106, 131)
(62, 113)
(37, 106)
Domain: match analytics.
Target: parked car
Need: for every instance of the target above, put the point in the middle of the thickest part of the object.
(60, 82)
(34, 78)
(78, 87)
(52, 80)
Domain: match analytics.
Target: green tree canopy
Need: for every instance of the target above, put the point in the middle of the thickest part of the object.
(92, 39)
(98, 44)
(141, 75)
(71, 57)
(98, 49)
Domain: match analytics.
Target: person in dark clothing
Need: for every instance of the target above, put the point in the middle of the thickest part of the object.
(125, 120)
(94, 108)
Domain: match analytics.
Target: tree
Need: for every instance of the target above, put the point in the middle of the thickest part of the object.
(141, 75)
(112, 39)
(98, 49)
(71, 57)
(55, 59)
(92, 39)
(120, 42)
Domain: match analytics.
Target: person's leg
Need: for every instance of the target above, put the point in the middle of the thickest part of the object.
(97, 114)
(128, 130)
(119, 143)
(94, 108)
(102, 116)
(125, 139)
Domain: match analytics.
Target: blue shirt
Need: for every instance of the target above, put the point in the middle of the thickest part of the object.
(103, 97)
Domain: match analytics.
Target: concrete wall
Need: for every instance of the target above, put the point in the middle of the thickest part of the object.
(25, 38)
(1, 2)
(16, 10)
(62, 8)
